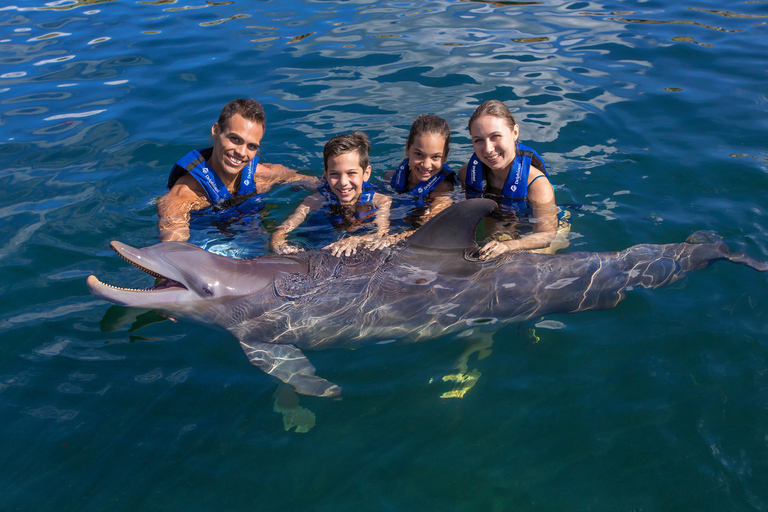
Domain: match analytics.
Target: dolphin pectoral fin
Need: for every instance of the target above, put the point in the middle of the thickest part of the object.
(463, 383)
(291, 366)
(294, 416)
(464, 379)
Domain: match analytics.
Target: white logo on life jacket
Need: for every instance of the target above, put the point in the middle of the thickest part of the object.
(473, 173)
(209, 178)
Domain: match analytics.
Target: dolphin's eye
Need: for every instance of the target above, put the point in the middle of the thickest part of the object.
(207, 291)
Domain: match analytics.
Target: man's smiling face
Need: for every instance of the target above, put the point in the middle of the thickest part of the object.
(235, 145)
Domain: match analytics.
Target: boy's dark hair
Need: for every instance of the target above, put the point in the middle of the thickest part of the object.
(250, 110)
(493, 108)
(427, 123)
(346, 143)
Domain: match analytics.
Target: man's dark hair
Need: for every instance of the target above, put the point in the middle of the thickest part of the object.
(250, 110)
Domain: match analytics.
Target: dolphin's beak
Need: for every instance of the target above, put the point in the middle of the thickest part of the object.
(164, 291)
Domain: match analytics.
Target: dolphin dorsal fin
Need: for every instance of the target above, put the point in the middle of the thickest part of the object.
(453, 228)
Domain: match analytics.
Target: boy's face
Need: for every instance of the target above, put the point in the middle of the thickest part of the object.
(346, 177)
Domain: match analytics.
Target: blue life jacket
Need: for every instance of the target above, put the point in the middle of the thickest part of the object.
(363, 209)
(399, 180)
(196, 165)
(516, 184)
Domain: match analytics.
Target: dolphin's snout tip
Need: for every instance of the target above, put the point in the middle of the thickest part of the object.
(93, 284)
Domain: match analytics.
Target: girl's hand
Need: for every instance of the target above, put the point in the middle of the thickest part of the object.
(287, 249)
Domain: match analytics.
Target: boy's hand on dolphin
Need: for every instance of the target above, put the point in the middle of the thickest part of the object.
(346, 247)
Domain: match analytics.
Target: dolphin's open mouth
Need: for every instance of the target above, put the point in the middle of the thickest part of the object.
(161, 282)
(135, 257)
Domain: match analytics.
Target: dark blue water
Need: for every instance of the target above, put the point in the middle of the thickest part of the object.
(650, 114)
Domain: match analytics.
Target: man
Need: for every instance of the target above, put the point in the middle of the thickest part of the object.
(214, 175)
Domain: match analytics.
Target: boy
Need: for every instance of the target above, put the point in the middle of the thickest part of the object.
(351, 199)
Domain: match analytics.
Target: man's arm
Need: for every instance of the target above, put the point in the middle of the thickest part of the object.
(269, 175)
(173, 209)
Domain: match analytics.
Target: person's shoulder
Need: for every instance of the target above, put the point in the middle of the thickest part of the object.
(388, 175)
(540, 189)
(274, 169)
(535, 173)
(380, 200)
(314, 201)
(444, 186)
(187, 188)
(462, 174)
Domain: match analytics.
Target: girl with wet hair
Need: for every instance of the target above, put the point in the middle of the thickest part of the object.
(424, 174)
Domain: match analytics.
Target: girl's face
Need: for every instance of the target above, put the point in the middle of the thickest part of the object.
(345, 177)
(425, 156)
(494, 142)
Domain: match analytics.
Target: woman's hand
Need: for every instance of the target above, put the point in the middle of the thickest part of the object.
(494, 248)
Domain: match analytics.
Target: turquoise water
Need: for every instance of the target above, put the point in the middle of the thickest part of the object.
(650, 114)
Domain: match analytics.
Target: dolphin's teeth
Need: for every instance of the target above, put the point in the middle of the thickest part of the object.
(143, 269)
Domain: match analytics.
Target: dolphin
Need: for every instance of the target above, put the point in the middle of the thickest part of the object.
(430, 285)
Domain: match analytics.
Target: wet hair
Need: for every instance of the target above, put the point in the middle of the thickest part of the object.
(427, 123)
(250, 110)
(346, 143)
(493, 108)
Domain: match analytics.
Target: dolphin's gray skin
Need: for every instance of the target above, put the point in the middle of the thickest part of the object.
(432, 285)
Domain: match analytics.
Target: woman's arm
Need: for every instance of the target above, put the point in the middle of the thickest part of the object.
(541, 195)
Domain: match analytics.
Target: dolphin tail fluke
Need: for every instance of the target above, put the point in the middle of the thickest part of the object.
(291, 366)
(743, 259)
(710, 237)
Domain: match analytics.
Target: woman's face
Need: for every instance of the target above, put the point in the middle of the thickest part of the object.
(425, 156)
(494, 142)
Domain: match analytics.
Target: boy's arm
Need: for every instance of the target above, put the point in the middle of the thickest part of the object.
(277, 240)
(382, 204)
(173, 209)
